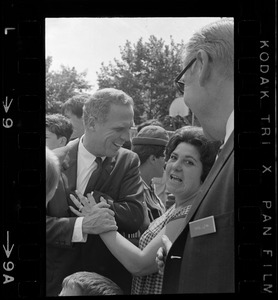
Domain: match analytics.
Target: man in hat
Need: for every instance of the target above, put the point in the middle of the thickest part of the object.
(150, 144)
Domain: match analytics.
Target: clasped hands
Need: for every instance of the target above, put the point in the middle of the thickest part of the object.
(98, 217)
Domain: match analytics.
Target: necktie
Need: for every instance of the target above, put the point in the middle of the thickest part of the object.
(94, 177)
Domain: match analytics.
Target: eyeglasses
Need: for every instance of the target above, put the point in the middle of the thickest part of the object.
(180, 84)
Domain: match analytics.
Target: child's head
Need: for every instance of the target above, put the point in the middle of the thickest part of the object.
(52, 173)
(88, 283)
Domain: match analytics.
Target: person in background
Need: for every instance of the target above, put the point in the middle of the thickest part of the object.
(96, 163)
(73, 109)
(128, 144)
(205, 248)
(150, 144)
(58, 131)
(189, 158)
(52, 169)
(89, 284)
(158, 183)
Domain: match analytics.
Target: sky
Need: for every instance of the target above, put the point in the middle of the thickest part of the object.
(84, 43)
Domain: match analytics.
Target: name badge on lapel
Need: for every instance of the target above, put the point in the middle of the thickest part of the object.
(202, 226)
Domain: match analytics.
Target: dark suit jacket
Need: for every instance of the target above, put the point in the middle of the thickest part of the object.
(120, 180)
(207, 261)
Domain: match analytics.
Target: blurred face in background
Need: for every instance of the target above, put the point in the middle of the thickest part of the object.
(77, 123)
(159, 165)
(52, 141)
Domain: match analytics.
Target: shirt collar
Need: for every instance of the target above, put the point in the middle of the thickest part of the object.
(84, 153)
(229, 127)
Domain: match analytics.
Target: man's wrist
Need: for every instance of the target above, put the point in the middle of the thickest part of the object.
(79, 235)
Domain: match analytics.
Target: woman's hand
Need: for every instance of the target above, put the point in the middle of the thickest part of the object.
(162, 253)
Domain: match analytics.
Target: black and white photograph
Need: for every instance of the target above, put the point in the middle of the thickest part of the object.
(139, 148)
(139, 198)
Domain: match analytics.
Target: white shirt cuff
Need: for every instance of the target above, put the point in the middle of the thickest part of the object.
(78, 236)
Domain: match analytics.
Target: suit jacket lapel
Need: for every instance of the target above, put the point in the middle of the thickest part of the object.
(216, 168)
(69, 167)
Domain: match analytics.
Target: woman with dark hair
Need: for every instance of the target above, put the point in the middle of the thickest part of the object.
(194, 136)
(189, 158)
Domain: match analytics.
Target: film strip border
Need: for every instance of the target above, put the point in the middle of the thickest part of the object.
(22, 155)
(22, 161)
(256, 148)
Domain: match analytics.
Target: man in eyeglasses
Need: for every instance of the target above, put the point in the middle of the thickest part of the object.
(201, 260)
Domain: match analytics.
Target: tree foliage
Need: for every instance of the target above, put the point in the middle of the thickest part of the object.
(62, 85)
(173, 123)
(146, 72)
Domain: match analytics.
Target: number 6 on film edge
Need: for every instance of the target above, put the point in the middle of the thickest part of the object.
(7, 123)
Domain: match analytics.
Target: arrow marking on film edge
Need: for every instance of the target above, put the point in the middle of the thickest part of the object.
(7, 250)
(7, 105)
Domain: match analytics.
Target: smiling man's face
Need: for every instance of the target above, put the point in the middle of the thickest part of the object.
(105, 139)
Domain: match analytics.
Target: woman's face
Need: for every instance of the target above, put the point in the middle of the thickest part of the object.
(183, 171)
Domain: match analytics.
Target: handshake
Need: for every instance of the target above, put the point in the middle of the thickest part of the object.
(98, 217)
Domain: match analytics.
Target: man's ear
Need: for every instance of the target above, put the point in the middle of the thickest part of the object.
(63, 141)
(204, 66)
(91, 127)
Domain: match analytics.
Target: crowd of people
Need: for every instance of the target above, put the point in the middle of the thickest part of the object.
(152, 214)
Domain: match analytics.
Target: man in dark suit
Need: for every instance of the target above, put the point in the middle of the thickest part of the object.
(95, 163)
(201, 260)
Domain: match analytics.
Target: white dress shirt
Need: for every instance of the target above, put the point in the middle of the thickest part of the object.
(86, 165)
